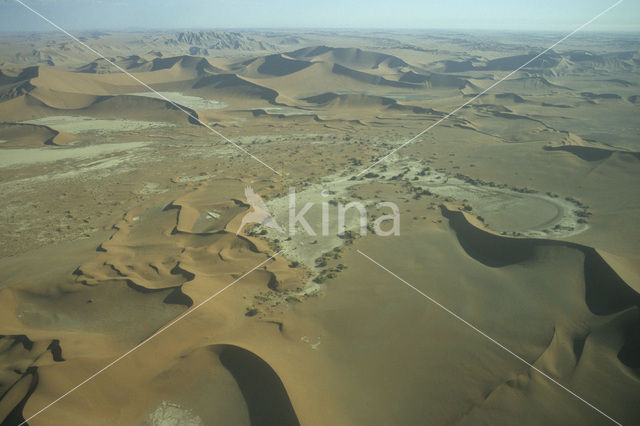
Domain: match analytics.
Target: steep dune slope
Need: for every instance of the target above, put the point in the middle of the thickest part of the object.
(176, 255)
(587, 150)
(176, 269)
(231, 86)
(273, 65)
(349, 57)
(16, 135)
(333, 101)
(139, 227)
(29, 107)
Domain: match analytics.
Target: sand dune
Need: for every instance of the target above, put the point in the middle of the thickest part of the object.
(606, 293)
(548, 60)
(273, 78)
(14, 86)
(159, 70)
(187, 64)
(273, 65)
(140, 108)
(433, 80)
(173, 266)
(233, 86)
(178, 253)
(501, 98)
(266, 397)
(126, 107)
(101, 66)
(528, 84)
(332, 101)
(518, 213)
(348, 57)
(588, 150)
(316, 78)
(368, 78)
(10, 76)
(17, 135)
(552, 61)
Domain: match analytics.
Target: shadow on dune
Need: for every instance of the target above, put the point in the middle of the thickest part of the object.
(588, 153)
(15, 417)
(629, 355)
(17, 391)
(583, 152)
(174, 295)
(606, 293)
(489, 249)
(262, 389)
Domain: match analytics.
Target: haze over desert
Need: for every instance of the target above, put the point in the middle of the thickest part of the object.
(254, 223)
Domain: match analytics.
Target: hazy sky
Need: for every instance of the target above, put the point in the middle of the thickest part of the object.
(562, 15)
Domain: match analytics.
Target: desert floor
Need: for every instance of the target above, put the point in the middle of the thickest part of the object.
(518, 214)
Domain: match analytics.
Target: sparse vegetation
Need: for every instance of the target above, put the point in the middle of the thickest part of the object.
(251, 311)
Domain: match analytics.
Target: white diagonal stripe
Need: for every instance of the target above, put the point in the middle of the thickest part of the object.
(482, 333)
(393, 151)
(142, 83)
(163, 329)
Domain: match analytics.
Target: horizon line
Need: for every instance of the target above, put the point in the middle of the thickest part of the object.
(353, 29)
